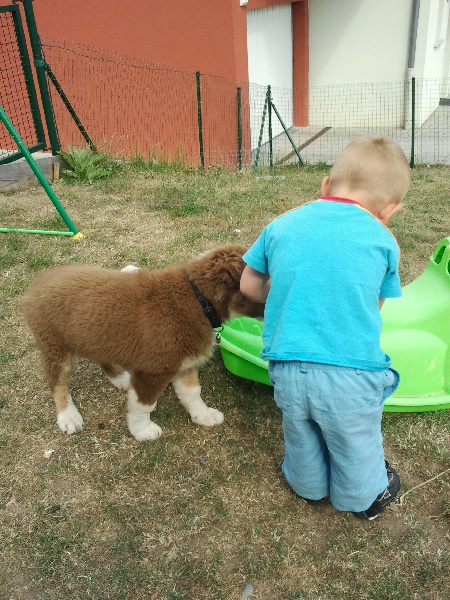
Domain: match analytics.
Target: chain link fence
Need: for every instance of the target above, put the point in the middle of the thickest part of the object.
(132, 107)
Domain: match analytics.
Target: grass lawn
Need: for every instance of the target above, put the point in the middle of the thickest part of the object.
(200, 513)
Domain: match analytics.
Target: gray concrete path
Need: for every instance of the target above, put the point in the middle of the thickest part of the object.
(323, 144)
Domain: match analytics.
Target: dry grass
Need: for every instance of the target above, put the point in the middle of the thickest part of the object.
(200, 512)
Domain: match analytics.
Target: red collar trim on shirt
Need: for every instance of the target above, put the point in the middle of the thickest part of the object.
(342, 200)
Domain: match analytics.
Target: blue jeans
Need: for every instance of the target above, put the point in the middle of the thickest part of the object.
(332, 430)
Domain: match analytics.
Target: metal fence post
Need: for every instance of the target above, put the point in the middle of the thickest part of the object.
(21, 40)
(288, 135)
(200, 121)
(239, 128)
(413, 120)
(39, 64)
(261, 131)
(269, 95)
(69, 107)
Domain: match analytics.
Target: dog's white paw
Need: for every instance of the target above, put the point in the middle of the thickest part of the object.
(69, 420)
(122, 381)
(145, 431)
(208, 417)
(138, 418)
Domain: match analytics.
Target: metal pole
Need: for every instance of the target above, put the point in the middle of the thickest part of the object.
(39, 64)
(413, 120)
(39, 232)
(261, 131)
(28, 76)
(239, 128)
(269, 96)
(30, 160)
(289, 137)
(69, 107)
(200, 121)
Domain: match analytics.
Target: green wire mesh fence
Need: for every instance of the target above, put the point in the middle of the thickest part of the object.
(133, 107)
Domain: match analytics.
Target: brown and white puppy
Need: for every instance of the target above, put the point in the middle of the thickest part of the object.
(145, 328)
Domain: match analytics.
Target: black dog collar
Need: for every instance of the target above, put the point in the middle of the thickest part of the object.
(207, 307)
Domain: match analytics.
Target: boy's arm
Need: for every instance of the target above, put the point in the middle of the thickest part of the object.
(381, 302)
(255, 285)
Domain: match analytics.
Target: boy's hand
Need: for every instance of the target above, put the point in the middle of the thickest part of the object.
(389, 211)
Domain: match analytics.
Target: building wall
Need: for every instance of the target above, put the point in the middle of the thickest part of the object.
(194, 35)
(296, 97)
(432, 55)
(351, 43)
(358, 41)
(198, 35)
(361, 41)
(432, 39)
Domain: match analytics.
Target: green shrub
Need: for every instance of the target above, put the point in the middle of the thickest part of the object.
(88, 166)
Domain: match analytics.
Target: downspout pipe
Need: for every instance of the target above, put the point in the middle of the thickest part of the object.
(413, 37)
(411, 62)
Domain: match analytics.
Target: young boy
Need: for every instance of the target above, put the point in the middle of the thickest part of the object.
(324, 270)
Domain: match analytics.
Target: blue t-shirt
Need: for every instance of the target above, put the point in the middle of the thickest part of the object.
(329, 262)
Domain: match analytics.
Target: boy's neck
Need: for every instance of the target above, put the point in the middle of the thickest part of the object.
(379, 209)
(359, 196)
(362, 198)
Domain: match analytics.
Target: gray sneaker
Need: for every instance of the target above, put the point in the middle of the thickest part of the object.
(383, 499)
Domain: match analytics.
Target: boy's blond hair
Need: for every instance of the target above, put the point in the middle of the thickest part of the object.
(374, 164)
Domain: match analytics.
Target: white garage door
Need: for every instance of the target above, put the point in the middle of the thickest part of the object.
(270, 62)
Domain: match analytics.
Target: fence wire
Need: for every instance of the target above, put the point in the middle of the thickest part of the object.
(130, 107)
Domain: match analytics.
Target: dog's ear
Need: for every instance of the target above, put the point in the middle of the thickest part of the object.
(235, 268)
(232, 267)
(227, 264)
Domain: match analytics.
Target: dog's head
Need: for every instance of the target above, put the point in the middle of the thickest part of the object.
(218, 274)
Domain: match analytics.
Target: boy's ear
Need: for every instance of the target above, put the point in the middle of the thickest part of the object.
(325, 188)
(389, 211)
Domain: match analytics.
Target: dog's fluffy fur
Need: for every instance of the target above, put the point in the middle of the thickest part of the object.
(145, 328)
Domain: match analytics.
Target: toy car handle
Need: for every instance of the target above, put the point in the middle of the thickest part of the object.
(441, 255)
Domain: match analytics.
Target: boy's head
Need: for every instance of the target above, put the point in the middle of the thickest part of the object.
(375, 167)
